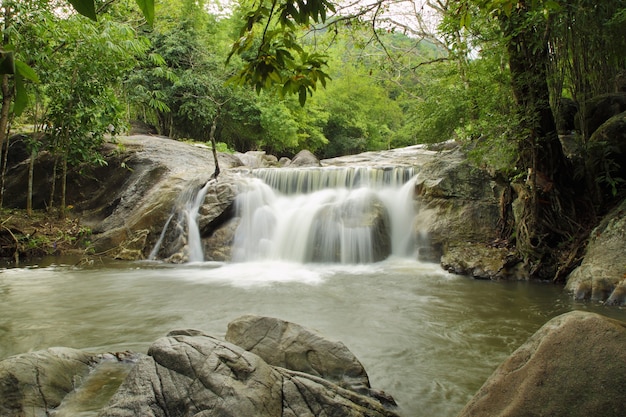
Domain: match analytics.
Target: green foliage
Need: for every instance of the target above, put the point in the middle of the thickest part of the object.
(272, 52)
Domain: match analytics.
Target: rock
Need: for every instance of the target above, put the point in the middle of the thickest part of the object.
(574, 366)
(481, 261)
(362, 222)
(610, 146)
(601, 275)
(189, 373)
(291, 346)
(52, 381)
(305, 158)
(257, 159)
(601, 108)
(31, 384)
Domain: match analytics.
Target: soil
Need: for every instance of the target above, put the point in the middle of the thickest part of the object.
(25, 237)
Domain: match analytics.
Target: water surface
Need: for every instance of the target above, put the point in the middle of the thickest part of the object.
(426, 337)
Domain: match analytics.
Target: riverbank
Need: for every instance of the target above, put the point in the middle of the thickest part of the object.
(25, 237)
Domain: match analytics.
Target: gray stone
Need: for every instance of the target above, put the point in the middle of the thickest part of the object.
(32, 384)
(602, 274)
(189, 373)
(305, 158)
(58, 380)
(291, 346)
(574, 366)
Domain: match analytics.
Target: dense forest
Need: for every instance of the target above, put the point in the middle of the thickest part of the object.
(505, 78)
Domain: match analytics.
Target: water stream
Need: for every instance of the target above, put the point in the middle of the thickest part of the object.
(306, 250)
(427, 337)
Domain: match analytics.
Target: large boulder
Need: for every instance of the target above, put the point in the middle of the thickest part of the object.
(291, 346)
(127, 201)
(459, 208)
(602, 274)
(305, 158)
(608, 147)
(189, 373)
(574, 366)
(358, 227)
(601, 108)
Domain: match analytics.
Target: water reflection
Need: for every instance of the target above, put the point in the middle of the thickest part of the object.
(428, 338)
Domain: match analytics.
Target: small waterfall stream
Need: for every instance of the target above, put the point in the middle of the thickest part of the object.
(348, 215)
(344, 215)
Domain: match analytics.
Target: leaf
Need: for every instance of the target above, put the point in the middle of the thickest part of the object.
(85, 7)
(147, 8)
(21, 96)
(302, 95)
(25, 71)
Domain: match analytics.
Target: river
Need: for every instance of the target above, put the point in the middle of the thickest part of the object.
(428, 338)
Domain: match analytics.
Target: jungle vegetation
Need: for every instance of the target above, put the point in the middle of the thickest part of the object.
(335, 78)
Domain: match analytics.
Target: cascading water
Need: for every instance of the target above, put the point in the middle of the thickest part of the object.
(346, 215)
(186, 224)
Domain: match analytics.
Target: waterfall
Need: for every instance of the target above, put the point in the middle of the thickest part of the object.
(183, 225)
(346, 215)
(194, 243)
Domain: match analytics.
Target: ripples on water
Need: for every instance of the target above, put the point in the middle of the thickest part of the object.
(427, 337)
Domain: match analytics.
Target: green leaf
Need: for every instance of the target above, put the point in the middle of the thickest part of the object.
(85, 7)
(302, 95)
(21, 96)
(25, 71)
(147, 8)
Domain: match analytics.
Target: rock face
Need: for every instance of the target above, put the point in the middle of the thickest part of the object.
(189, 373)
(575, 365)
(602, 274)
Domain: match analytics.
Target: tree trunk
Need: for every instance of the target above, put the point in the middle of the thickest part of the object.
(544, 210)
(62, 209)
(31, 175)
(7, 98)
(214, 145)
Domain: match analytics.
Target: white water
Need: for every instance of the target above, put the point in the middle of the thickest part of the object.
(325, 215)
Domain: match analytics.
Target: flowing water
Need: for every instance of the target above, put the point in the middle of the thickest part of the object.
(428, 338)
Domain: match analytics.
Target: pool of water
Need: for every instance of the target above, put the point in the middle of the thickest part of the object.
(428, 338)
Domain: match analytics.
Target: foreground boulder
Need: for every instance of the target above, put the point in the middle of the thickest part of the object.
(574, 366)
(189, 373)
(291, 346)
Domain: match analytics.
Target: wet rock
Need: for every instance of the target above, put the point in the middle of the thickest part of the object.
(32, 384)
(362, 222)
(291, 346)
(481, 261)
(574, 366)
(52, 381)
(189, 373)
(602, 274)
